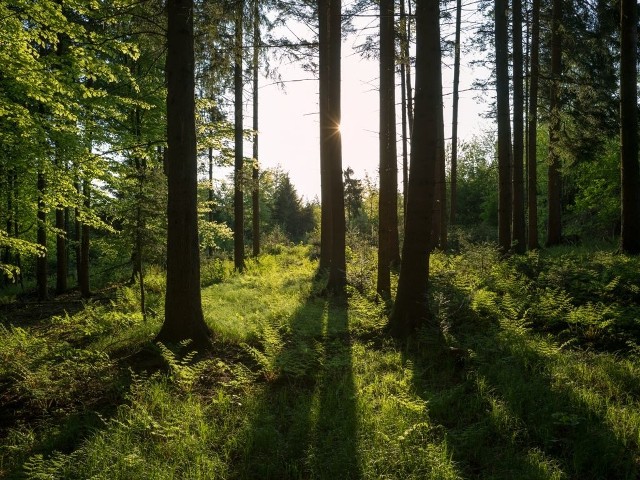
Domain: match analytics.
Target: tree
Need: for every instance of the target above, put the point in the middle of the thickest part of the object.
(238, 230)
(518, 235)
(532, 166)
(332, 189)
(183, 304)
(388, 243)
(454, 121)
(501, 12)
(255, 177)
(411, 310)
(554, 180)
(630, 170)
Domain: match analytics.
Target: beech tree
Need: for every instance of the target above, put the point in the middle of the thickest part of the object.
(411, 310)
(183, 304)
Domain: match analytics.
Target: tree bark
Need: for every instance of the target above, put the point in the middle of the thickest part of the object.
(238, 197)
(255, 172)
(554, 223)
(388, 243)
(183, 304)
(411, 307)
(338, 268)
(41, 262)
(504, 127)
(454, 113)
(518, 239)
(326, 131)
(83, 277)
(532, 165)
(629, 169)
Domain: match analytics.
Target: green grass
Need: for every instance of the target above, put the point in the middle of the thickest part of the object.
(539, 378)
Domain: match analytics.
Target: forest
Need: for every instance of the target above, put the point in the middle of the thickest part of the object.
(471, 311)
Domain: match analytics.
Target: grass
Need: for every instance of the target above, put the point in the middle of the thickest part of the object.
(539, 378)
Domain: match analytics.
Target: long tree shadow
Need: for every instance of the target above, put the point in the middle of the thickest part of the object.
(505, 413)
(303, 424)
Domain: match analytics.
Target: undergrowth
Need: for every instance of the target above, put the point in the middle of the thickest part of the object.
(539, 377)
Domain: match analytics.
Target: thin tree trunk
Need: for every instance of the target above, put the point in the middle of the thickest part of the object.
(454, 113)
(338, 269)
(77, 237)
(532, 164)
(504, 127)
(183, 304)
(210, 249)
(554, 224)
(83, 278)
(41, 262)
(408, 71)
(629, 171)
(255, 177)
(388, 248)
(238, 197)
(518, 234)
(411, 307)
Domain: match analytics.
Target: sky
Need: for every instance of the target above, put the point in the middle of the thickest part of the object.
(288, 118)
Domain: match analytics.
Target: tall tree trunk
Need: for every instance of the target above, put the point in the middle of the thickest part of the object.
(83, 278)
(629, 171)
(255, 177)
(77, 237)
(183, 304)
(7, 178)
(518, 234)
(41, 262)
(338, 269)
(388, 243)
(326, 132)
(62, 268)
(407, 55)
(238, 197)
(411, 307)
(210, 196)
(504, 127)
(532, 164)
(440, 211)
(454, 113)
(554, 224)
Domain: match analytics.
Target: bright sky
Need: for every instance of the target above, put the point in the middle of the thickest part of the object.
(289, 131)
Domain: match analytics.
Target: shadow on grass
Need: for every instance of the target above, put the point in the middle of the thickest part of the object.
(505, 416)
(303, 424)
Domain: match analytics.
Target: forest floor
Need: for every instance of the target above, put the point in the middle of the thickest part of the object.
(538, 376)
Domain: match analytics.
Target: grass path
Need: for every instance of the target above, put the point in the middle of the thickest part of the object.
(303, 387)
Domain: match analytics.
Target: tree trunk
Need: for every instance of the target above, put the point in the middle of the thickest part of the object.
(183, 304)
(411, 307)
(504, 127)
(255, 177)
(532, 165)
(629, 171)
(338, 269)
(518, 234)
(554, 224)
(210, 249)
(326, 132)
(454, 113)
(83, 277)
(77, 237)
(388, 244)
(407, 55)
(238, 197)
(41, 262)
